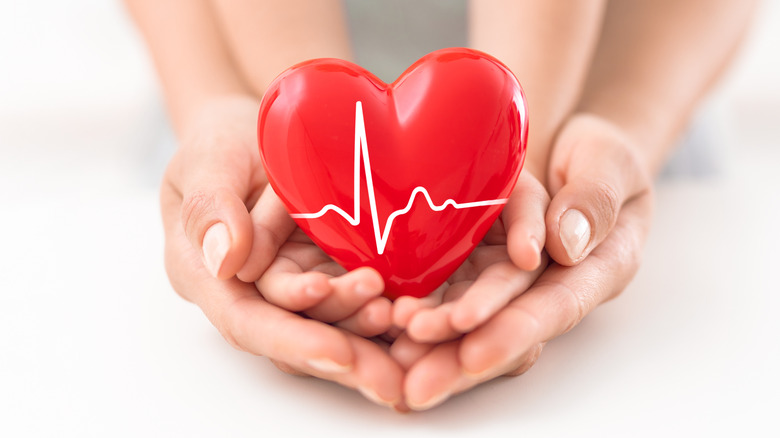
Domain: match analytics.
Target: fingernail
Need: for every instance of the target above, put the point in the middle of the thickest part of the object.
(315, 292)
(216, 244)
(536, 246)
(479, 375)
(325, 365)
(574, 232)
(371, 317)
(431, 402)
(374, 397)
(364, 291)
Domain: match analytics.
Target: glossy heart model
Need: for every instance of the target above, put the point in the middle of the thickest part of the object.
(405, 178)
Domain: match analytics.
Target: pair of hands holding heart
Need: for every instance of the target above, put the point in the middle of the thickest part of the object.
(233, 249)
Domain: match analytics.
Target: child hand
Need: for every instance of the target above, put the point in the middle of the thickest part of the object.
(302, 278)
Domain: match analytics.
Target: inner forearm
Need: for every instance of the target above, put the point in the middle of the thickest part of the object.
(191, 57)
(548, 45)
(268, 36)
(656, 60)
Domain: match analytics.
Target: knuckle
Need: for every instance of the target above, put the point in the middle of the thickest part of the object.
(194, 207)
(577, 304)
(533, 325)
(620, 265)
(528, 361)
(572, 304)
(607, 202)
(271, 235)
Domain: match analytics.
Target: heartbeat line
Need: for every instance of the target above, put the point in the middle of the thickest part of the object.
(381, 236)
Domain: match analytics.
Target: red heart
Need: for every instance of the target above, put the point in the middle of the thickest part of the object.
(437, 153)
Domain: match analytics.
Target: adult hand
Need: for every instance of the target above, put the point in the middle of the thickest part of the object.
(224, 227)
(594, 170)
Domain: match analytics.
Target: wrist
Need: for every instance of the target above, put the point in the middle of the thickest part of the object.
(217, 109)
(539, 148)
(651, 129)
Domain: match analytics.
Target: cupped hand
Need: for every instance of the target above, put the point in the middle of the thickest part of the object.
(224, 228)
(303, 278)
(595, 170)
(500, 268)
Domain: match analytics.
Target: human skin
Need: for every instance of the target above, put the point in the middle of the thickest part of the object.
(624, 105)
(215, 182)
(214, 187)
(642, 86)
(553, 83)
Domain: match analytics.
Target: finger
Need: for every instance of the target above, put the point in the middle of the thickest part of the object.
(286, 285)
(560, 298)
(285, 368)
(180, 256)
(314, 348)
(303, 277)
(373, 319)
(523, 218)
(494, 289)
(405, 307)
(351, 291)
(254, 325)
(375, 374)
(431, 380)
(217, 174)
(240, 314)
(272, 226)
(218, 225)
(407, 352)
(306, 346)
(392, 334)
(438, 375)
(432, 324)
(594, 172)
(249, 323)
(527, 361)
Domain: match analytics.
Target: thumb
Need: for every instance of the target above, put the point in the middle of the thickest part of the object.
(215, 180)
(594, 171)
(217, 221)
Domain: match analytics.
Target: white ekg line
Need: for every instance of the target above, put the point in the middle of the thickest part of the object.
(361, 147)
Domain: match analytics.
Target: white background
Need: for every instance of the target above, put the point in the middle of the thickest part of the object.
(93, 341)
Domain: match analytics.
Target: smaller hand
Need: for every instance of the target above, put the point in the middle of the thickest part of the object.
(302, 278)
